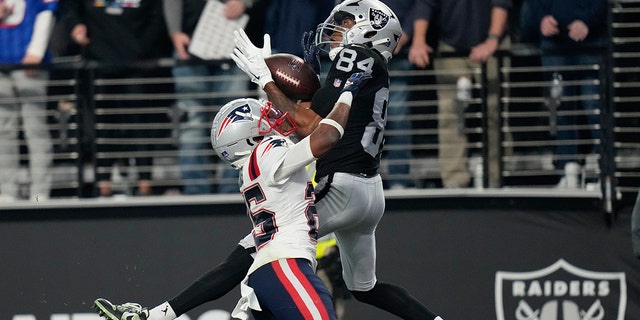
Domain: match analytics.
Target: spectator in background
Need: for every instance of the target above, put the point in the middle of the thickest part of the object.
(398, 145)
(528, 23)
(25, 29)
(473, 28)
(287, 20)
(571, 33)
(117, 33)
(195, 109)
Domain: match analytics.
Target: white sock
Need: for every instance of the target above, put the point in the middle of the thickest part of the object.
(162, 312)
(438, 318)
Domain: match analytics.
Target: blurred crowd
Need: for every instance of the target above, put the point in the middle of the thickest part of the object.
(444, 45)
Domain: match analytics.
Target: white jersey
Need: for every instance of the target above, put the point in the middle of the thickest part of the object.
(280, 200)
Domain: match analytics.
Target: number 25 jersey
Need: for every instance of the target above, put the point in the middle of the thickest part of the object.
(282, 210)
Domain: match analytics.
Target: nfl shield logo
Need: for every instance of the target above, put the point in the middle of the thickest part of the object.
(560, 291)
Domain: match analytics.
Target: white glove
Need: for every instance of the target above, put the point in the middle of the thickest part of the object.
(266, 45)
(250, 58)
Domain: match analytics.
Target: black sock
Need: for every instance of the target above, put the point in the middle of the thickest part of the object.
(396, 300)
(215, 283)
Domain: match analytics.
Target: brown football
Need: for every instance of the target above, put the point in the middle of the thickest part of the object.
(295, 78)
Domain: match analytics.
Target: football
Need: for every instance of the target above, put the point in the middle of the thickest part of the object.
(295, 78)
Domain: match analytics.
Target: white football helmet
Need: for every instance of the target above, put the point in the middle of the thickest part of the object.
(239, 125)
(376, 26)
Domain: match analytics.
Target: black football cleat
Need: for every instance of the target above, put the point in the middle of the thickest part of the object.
(125, 311)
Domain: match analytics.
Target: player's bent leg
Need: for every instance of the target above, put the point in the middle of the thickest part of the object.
(125, 311)
(396, 300)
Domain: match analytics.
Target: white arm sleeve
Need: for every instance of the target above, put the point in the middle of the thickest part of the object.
(299, 155)
(41, 33)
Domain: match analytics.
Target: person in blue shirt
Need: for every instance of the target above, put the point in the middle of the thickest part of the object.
(195, 105)
(25, 28)
(472, 30)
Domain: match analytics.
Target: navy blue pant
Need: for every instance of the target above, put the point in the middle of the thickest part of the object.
(289, 289)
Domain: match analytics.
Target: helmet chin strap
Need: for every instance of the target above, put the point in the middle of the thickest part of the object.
(387, 56)
(244, 155)
(334, 52)
(238, 164)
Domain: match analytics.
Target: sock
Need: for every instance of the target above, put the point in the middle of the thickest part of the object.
(396, 300)
(162, 312)
(438, 318)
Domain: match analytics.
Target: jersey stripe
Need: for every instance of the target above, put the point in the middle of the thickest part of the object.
(301, 291)
(310, 289)
(254, 169)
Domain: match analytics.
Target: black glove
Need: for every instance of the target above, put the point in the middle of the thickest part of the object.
(355, 82)
(310, 50)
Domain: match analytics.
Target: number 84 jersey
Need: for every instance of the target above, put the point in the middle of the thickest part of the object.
(359, 149)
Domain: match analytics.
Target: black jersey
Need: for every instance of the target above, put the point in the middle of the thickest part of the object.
(359, 149)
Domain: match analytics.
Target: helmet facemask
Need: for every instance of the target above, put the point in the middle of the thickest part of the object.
(273, 119)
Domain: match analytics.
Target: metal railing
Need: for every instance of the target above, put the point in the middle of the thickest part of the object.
(134, 115)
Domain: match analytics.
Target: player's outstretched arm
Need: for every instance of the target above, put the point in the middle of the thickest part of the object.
(331, 128)
(306, 119)
(326, 132)
(250, 59)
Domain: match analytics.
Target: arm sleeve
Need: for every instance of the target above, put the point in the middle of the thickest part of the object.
(41, 34)
(74, 12)
(217, 282)
(299, 155)
(172, 10)
(506, 4)
(152, 37)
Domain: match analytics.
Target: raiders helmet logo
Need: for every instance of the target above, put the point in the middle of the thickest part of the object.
(378, 19)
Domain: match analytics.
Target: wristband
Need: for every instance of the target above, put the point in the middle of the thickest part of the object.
(494, 36)
(334, 124)
(346, 98)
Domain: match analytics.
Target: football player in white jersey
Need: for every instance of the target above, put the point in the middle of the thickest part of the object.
(253, 137)
(281, 282)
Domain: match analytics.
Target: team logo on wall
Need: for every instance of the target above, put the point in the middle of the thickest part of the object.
(560, 291)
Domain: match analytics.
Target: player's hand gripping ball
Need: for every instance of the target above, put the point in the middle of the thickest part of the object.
(295, 78)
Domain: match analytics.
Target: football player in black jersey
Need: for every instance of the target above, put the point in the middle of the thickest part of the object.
(359, 35)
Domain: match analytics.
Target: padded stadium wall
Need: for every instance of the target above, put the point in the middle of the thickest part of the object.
(464, 257)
